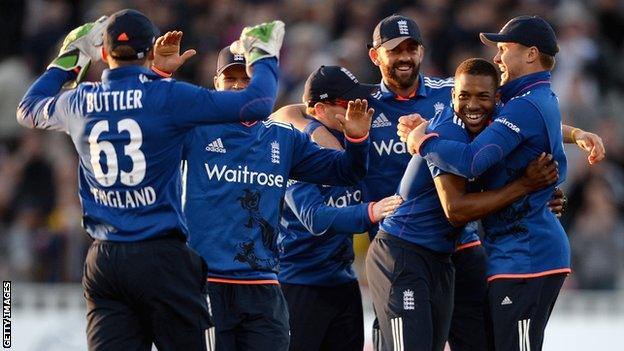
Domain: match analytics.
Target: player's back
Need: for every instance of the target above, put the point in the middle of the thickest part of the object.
(129, 151)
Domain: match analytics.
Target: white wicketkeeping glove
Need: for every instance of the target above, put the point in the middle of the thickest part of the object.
(258, 42)
(80, 47)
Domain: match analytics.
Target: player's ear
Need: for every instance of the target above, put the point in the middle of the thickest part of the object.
(497, 97)
(532, 54)
(150, 56)
(214, 81)
(319, 109)
(104, 54)
(374, 56)
(421, 53)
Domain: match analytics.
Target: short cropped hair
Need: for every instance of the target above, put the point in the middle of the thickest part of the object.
(547, 61)
(478, 67)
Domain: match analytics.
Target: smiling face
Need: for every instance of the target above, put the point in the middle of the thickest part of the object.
(399, 66)
(474, 100)
(511, 59)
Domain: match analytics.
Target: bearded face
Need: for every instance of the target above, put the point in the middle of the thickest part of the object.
(400, 65)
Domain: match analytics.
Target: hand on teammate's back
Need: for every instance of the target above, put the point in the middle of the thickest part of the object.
(167, 56)
(540, 172)
(407, 123)
(357, 121)
(557, 203)
(384, 207)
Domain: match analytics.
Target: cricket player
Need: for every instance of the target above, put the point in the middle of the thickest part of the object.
(317, 227)
(236, 176)
(529, 253)
(141, 281)
(409, 266)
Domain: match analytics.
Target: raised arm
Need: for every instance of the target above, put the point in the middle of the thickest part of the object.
(323, 166)
(295, 115)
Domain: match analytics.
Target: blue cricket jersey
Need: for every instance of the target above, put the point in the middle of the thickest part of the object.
(316, 232)
(420, 219)
(235, 184)
(524, 239)
(128, 131)
(388, 154)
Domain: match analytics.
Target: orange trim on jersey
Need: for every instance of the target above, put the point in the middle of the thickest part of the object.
(243, 282)
(467, 245)
(358, 140)
(530, 275)
(249, 123)
(401, 98)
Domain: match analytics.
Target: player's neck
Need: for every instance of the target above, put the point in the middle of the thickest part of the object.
(403, 92)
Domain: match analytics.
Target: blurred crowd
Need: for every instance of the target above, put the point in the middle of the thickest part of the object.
(40, 234)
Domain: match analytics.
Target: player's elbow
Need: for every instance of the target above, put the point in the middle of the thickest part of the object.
(456, 214)
(23, 115)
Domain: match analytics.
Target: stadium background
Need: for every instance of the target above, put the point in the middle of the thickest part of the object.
(42, 245)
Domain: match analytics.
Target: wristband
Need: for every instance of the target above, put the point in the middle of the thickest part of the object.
(358, 140)
(371, 215)
(161, 73)
(573, 134)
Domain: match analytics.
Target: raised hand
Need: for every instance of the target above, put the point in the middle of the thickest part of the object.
(384, 207)
(357, 121)
(258, 42)
(167, 56)
(81, 47)
(407, 123)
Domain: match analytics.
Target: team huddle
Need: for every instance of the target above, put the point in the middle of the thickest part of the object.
(221, 224)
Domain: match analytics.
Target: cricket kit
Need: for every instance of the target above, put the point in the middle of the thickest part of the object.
(236, 176)
(528, 250)
(409, 266)
(316, 274)
(128, 131)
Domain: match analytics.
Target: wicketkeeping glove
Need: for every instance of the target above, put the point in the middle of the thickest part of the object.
(80, 47)
(261, 41)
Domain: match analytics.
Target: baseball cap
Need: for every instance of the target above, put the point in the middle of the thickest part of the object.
(393, 30)
(528, 31)
(132, 29)
(333, 83)
(227, 59)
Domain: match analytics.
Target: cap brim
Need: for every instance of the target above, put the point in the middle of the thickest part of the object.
(220, 70)
(491, 39)
(360, 91)
(393, 43)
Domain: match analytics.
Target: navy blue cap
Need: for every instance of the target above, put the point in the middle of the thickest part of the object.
(132, 29)
(333, 83)
(528, 31)
(227, 59)
(393, 30)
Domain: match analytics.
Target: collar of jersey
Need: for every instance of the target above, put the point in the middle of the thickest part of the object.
(522, 84)
(127, 71)
(387, 94)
